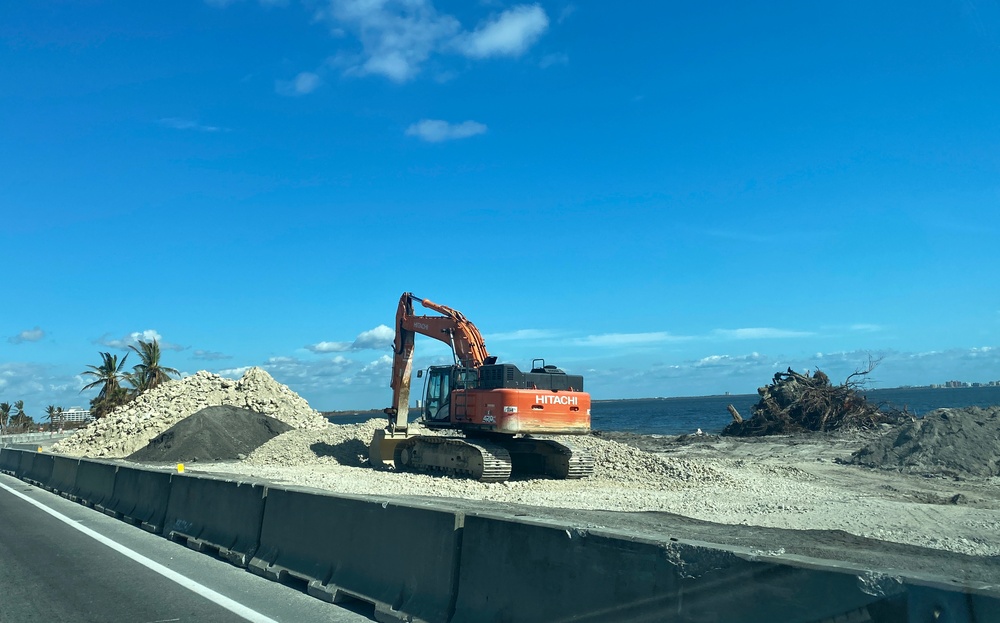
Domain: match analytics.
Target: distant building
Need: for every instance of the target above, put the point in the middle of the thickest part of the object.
(76, 414)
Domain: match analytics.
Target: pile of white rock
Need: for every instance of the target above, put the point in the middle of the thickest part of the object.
(130, 427)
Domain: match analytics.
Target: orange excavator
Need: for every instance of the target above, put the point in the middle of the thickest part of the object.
(483, 416)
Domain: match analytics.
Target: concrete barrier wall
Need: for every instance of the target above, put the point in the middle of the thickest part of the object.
(140, 497)
(521, 570)
(10, 460)
(937, 603)
(40, 472)
(403, 559)
(223, 516)
(64, 471)
(423, 562)
(95, 483)
(27, 458)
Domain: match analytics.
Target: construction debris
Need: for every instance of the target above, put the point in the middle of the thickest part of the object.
(131, 426)
(795, 403)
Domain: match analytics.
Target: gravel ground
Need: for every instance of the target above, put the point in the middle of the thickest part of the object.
(797, 483)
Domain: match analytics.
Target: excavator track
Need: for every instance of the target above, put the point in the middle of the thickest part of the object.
(482, 460)
(563, 460)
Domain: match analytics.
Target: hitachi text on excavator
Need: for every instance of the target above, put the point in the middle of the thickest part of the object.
(495, 410)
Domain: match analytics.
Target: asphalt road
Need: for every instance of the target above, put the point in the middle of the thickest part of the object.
(60, 561)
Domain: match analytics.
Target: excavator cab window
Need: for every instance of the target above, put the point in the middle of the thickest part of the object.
(466, 378)
(436, 405)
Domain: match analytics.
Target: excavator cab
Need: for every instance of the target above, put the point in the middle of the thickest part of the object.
(441, 381)
(437, 398)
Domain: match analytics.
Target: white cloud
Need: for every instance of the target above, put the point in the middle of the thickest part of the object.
(509, 34)
(397, 36)
(186, 124)
(752, 360)
(133, 338)
(325, 383)
(435, 131)
(208, 355)
(375, 372)
(28, 335)
(378, 338)
(521, 334)
(234, 373)
(330, 347)
(303, 84)
(756, 333)
(866, 328)
(629, 339)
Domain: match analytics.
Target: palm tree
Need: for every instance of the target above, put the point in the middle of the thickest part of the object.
(51, 411)
(108, 376)
(148, 373)
(4, 415)
(20, 418)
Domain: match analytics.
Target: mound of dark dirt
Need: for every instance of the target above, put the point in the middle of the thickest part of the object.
(946, 442)
(221, 433)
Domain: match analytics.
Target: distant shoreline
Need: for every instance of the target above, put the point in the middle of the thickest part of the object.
(372, 412)
(861, 390)
(380, 413)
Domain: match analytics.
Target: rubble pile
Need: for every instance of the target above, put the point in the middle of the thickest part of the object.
(343, 444)
(627, 464)
(130, 427)
(795, 403)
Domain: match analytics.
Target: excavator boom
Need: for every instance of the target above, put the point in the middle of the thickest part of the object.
(451, 327)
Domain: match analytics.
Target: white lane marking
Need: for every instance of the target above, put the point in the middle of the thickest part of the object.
(227, 603)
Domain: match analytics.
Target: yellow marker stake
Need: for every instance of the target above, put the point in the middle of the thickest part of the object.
(180, 468)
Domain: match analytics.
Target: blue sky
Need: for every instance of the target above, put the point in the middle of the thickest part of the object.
(670, 198)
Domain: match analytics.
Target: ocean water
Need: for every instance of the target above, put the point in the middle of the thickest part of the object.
(678, 416)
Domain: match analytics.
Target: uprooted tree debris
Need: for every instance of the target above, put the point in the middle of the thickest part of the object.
(796, 402)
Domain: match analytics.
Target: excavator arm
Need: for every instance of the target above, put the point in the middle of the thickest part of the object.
(450, 327)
